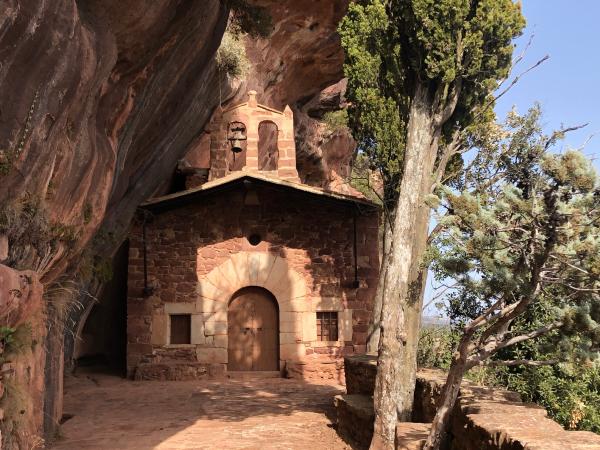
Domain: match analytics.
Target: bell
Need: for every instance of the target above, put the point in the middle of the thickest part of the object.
(236, 146)
(237, 134)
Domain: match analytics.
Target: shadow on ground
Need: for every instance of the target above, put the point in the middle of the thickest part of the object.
(108, 412)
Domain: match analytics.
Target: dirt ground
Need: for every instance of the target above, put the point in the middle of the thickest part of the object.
(109, 412)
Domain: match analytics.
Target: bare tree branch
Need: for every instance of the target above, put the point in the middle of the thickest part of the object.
(516, 79)
(514, 362)
(525, 337)
(556, 134)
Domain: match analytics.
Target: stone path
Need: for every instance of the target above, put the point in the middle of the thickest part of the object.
(113, 413)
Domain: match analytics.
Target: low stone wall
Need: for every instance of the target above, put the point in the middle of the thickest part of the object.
(355, 417)
(316, 368)
(483, 418)
(360, 373)
(178, 371)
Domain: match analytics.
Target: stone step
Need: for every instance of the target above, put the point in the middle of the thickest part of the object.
(360, 371)
(253, 374)
(411, 435)
(355, 416)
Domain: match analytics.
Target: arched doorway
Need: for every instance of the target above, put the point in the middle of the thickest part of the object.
(253, 331)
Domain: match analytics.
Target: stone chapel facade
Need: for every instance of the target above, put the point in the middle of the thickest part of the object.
(250, 270)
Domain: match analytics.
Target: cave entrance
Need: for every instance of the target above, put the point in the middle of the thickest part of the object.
(102, 339)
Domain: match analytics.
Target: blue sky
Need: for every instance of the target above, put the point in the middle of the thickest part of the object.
(568, 84)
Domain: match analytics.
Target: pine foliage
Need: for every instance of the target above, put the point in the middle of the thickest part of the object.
(456, 47)
(520, 243)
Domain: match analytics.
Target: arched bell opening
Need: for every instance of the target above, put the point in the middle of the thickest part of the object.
(238, 139)
(268, 150)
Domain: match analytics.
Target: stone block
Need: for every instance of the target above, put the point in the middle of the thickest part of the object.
(411, 435)
(220, 341)
(309, 326)
(222, 278)
(180, 308)
(219, 315)
(292, 352)
(207, 290)
(207, 305)
(355, 417)
(3, 247)
(297, 305)
(360, 371)
(290, 338)
(289, 287)
(216, 370)
(139, 349)
(212, 328)
(345, 324)
(141, 307)
(291, 322)
(328, 304)
(160, 330)
(172, 371)
(197, 332)
(211, 355)
(278, 276)
(289, 316)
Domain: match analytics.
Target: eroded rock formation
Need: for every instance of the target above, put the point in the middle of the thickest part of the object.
(22, 362)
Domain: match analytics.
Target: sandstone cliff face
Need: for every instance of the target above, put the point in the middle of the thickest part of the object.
(324, 154)
(98, 98)
(301, 56)
(22, 359)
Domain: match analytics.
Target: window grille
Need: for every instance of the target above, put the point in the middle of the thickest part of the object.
(327, 325)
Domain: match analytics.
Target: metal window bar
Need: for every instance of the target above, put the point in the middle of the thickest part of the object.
(327, 325)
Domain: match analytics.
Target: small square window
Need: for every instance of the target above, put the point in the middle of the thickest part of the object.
(181, 329)
(327, 325)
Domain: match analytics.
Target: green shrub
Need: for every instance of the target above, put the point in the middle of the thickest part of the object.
(336, 120)
(33, 237)
(6, 337)
(246, 18)
(436, 344)
(570, 393)
(87, 213)
(231, 55)
(364, 179)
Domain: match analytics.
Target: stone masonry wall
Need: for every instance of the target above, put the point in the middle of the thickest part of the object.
(198, 254)
(483, 418)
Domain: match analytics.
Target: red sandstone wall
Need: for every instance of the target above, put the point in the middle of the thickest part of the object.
(314, 237)
(22, 362)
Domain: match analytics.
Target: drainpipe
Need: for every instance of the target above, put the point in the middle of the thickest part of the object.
(147, 289)
(356, 283)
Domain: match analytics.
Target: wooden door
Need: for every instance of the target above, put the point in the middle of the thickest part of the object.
(253, 331)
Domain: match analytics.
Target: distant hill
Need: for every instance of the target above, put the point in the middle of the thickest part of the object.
(435, 321)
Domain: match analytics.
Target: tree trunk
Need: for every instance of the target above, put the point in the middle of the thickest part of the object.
(374, 331)
(413, 307)
(449, 396)
(391, 397)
